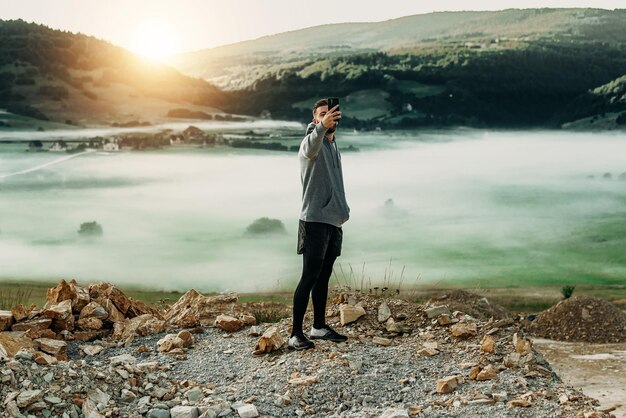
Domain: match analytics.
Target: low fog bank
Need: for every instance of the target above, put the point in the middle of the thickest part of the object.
(485, 208)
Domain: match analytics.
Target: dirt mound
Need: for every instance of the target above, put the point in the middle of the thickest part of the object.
(472, 304)
(581, 318)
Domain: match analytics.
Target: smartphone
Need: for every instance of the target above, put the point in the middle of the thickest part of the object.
(332, 102)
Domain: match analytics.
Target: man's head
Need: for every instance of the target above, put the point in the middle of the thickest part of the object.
(319, 110)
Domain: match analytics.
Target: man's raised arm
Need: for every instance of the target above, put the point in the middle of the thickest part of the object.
(312, 142)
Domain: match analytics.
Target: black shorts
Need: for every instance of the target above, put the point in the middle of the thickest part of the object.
(319, 239)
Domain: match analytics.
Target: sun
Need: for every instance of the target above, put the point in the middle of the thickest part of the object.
(154, 39)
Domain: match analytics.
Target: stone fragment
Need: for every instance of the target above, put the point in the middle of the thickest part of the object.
(393, 326)
(51, 346)
(20, 312)
(228, 323)
(384, 313)
(435, 311)
(6, 320)
(519, 403)
(94, 309)
(381, 341)
(247, 411)
(91, 323)
(248, 319)
(169, 343)
(254, 331)
(122, 359)
(186, 336)
(448, 383)
(446, 320)
(27, 397)
(488, 344)
(428, 352)
(90, 410)
(92, 350)
(395, 413)
(488, 373)
(464, 330)
(194, 309)
(11, 342)
(37, 324)
(91, 335)
(270, 340)
(80, 296)
(44, 359)
(349, 313)
(522, 345)
(183, 411)
(304, 380)
(59, 293)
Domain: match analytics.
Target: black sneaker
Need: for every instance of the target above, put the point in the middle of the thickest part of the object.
(327, 333)
(300, 342)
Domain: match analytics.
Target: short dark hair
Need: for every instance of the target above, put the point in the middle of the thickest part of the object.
(319, 103)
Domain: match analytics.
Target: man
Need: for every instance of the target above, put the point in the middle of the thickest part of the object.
(324, 210)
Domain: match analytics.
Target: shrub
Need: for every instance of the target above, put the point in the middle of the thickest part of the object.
(90, 229)
(266, 226)
(567, 291)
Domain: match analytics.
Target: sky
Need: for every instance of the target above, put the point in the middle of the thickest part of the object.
(158, 28)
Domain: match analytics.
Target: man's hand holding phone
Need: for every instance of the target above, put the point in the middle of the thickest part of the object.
(331, 118)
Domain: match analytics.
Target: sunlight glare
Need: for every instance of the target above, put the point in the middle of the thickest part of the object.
(154, 39)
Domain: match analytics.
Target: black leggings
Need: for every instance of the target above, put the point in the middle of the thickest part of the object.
(315, 276)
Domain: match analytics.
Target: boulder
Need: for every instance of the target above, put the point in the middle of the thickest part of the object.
(6, 320)
(270, 340)
(228, 323)
(349, 313)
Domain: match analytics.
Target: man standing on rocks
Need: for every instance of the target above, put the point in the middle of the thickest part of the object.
(324, 210)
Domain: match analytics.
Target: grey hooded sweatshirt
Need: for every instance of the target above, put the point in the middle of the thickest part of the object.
(323, 195)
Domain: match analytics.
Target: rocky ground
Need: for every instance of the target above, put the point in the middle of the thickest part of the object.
(196, 359)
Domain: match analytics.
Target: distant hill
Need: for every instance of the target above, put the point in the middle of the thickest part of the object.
(508, 68)
(76, 79)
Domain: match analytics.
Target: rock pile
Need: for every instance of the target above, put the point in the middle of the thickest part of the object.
(581, 318)
(401, 359)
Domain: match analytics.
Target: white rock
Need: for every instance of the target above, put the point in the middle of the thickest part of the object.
(247, 411)
(181, 411)
(395, 413)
